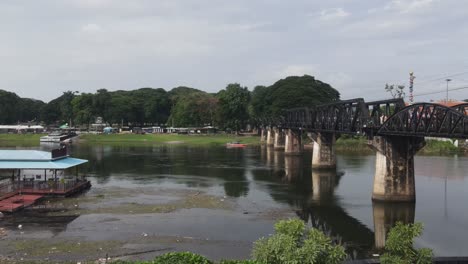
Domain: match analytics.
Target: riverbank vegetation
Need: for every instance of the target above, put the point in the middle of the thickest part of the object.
(232, 108)
(208, 140)
(356, 144)
(344, 144)
(294, 242)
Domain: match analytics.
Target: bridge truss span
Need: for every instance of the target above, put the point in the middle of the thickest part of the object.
(346, 117)
(426, 119)
(462, 108)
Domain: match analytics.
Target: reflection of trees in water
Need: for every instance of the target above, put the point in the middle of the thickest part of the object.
(193, 166)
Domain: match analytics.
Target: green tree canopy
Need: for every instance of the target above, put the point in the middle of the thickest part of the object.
(194, 109)
(233, 106)
(293, 91)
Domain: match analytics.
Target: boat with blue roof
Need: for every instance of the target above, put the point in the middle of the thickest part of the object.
(29, 175)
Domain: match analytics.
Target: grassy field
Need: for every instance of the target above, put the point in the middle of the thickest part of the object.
(359, 144)
(20, 140)
(31, 140)
(168, 139)
(343, 144)
(352, 144)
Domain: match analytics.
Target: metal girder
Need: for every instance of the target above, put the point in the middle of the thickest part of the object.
(342, 117)
(380, 111)
(385, 117)
(426, 119)
(296, 118)
(462, 108)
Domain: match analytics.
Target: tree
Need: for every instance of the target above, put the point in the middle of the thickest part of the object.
(233, 103)
(59, 109)
(8, 107)
(293, 91)
(294, 243)
(101, 103)
(399, 246)
(397, 91)
(82, 107)
(194, 109)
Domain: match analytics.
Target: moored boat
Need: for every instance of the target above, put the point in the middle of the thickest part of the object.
(59, 137)
(236, 145)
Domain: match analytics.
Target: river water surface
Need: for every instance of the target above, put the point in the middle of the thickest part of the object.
(149, 200)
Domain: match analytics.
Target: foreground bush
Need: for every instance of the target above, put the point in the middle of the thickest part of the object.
(399, 246)
(240, 262)
(293, 243)
(172, 258)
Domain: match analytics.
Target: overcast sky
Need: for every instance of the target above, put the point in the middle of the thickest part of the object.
(51, 46)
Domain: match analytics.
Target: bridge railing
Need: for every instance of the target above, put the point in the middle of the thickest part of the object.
(385, 117)
(427, 119)
(344, 116)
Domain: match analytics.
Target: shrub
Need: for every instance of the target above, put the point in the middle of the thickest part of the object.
(240, 262)
(181, 258)
(399, 246)
(293, 243)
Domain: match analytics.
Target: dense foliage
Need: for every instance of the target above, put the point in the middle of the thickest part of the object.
(231, 108)
(399, 246)
(290, 92)
(293, 243)
(172, 258)
(14, 109)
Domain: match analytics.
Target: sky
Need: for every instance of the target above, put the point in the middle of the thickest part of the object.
(51, 46)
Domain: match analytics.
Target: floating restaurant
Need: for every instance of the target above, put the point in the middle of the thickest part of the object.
(30, 175)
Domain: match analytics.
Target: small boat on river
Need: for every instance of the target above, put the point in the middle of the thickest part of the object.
(236, 145)
(59, 137)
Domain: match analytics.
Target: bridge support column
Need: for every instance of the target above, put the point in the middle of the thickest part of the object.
(323, 155)
(293, 142)
(279, 139)
(386, 215)
(394, 167)
(270, 136)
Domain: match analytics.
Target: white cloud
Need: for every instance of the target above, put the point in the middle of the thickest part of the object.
(356, 46)
(296, 70)
(333, 14)
(92, 3)
(407, 6)
(92, 28)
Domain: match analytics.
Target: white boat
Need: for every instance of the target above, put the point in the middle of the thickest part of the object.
(59, 137)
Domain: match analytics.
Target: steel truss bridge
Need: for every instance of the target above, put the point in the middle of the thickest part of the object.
(379, 118)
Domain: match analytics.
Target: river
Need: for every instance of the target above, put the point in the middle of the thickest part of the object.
(147, 200)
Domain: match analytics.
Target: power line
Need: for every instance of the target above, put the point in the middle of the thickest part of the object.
(444, 77)
(442, 91)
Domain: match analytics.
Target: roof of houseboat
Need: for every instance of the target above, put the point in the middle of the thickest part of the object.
(35, 159)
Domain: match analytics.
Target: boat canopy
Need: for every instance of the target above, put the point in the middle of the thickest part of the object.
(34, 159)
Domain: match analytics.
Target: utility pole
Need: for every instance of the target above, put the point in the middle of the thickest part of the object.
(447, 98)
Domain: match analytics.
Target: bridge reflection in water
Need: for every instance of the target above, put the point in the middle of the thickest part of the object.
(312, 192)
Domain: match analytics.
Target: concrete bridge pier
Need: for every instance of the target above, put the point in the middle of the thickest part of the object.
(394, 167)
(386, 215)
(278, 143)
(323, 155)
(293, 142)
